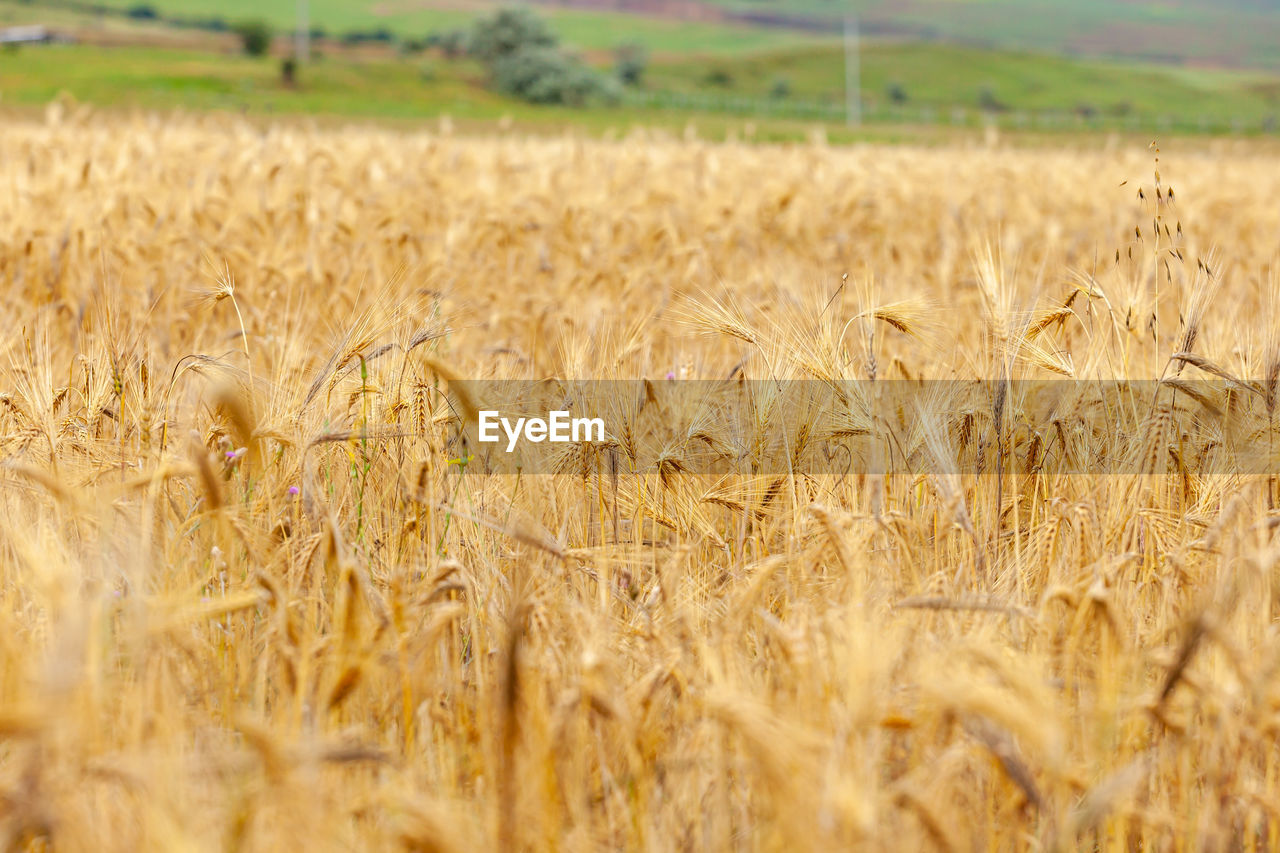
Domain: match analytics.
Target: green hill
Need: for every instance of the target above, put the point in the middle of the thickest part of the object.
(709, 67)
(916, 75)
(586, 28)
(1237, 33)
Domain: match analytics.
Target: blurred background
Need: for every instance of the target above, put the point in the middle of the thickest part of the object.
(767, 69)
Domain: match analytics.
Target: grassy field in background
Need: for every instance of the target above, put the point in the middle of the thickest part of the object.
(581, 28)
(944, 76)
(725, 69)
(395, 91)
(1237, 33)
(415, 87)
(163, 78)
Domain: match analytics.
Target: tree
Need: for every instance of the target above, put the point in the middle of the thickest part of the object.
(544, 75)
(525, 62)
(507, 32)
(632, 60)
(255, 36)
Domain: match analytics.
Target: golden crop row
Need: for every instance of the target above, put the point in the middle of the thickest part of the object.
(254, 597)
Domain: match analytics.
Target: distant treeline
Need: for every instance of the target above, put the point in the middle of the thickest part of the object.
(144, 11)
(208, 23)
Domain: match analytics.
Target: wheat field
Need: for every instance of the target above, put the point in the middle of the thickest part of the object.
(254, 599)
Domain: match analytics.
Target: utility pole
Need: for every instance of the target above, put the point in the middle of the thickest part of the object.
(852, 77)
(302, 38)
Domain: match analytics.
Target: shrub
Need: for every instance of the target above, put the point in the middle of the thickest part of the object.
(897, 93)
(780, 88)
(453, 43)
(143, 12)
(719, 77)
(507, 32)
(988, 101)
(543, 75)
(632, 60)
(524, 61)
(381, 35)
(255, 36)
